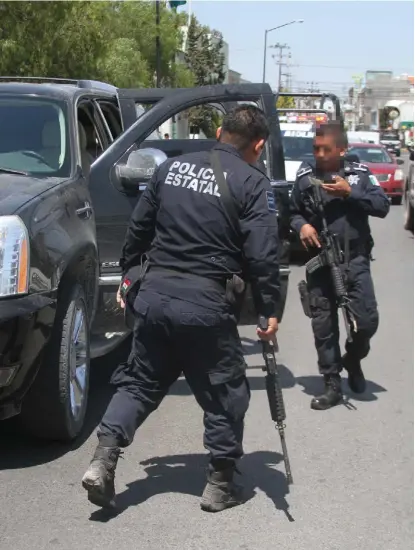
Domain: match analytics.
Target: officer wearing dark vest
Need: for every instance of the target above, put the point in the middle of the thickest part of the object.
(185, 320)
(351, 194)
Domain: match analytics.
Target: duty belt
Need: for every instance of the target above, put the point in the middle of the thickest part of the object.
(215, 283)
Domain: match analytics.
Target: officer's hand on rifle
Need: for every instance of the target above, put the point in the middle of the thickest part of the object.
(309, 237)
(271, 331)
(341, 188)
(119, 299)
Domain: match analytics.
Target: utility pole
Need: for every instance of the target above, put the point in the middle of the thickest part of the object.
(281, 48)
(287, 74)
(158, 49)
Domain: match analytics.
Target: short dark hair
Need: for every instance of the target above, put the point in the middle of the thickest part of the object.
(245, 124)
(333, 128)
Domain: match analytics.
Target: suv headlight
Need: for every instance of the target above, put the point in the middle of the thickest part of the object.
(14, 256)
(398, 174)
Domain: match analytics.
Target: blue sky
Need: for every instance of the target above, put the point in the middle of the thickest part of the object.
(336, 41)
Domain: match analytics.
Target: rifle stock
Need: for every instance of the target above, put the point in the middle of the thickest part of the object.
(274, 394)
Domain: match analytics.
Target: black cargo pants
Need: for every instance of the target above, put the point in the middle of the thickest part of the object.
(173, 335)
(324, 313)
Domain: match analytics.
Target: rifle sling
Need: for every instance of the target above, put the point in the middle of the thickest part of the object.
(225, 193)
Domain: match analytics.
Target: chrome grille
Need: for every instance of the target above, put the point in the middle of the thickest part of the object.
(382, 177)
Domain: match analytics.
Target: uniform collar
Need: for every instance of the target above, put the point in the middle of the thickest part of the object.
(227, 149)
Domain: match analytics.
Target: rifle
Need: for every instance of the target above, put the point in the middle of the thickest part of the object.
(332, 256)
(274, 393)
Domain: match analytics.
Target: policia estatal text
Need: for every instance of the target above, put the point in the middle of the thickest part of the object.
(349, 196)
(184, 321)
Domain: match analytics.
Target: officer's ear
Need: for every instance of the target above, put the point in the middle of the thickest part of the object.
(259, 147)
(218, 133)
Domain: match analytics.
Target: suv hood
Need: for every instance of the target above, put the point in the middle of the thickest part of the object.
(17, 190)
(291, 169)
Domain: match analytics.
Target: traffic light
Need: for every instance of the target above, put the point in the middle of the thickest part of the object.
(175, 4)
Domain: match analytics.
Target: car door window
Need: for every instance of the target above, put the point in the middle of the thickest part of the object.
(112, 117)
(147, 106)
(192, 130)
(91, 143)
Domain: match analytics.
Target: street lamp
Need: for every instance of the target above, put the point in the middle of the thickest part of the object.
(266, 40)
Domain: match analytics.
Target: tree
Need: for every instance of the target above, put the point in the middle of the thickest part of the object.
(62, 39)
(137, 22)
(111, 41)
(285, 102)
(205, 59)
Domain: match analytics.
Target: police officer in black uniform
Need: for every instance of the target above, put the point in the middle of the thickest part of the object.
(351, 194)
(185, 321)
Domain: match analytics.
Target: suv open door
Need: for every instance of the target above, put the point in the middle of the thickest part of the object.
(114, 202)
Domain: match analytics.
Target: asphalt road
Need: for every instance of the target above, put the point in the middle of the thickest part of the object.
(352, 467)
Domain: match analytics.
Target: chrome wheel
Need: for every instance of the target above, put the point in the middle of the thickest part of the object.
(78, 361)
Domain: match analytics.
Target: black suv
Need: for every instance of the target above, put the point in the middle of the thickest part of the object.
(74, 157)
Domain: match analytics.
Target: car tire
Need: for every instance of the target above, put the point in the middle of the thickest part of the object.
(409, 214)
(396, 200)
(56, 405)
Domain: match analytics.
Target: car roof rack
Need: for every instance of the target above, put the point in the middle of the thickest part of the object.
(86, 84)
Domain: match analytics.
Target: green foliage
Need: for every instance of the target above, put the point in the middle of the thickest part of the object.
(110, 41)
(285, 102)
(205, 60)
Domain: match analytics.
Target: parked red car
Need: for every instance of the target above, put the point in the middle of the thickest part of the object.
(384, 166)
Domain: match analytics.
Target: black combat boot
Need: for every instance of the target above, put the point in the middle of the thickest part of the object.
(356, 378)
(221, 491)
(332, 395)
(99, 478)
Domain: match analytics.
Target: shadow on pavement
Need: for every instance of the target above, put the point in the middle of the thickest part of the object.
(251, 346)
(313, 385)
(185, 474)
(181, 387)
(21, 451)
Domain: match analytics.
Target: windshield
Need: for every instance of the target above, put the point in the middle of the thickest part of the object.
(375, 156)
(297, 145)
(34, 136)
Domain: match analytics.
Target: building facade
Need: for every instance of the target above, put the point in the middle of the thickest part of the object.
(380, 88)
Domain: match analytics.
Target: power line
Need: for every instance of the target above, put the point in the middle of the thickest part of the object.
(349, 68)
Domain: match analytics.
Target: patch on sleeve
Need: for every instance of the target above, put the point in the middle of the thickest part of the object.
(373, 180)
(303, 171)
(271, 201)
(353, 179)
(360, 167)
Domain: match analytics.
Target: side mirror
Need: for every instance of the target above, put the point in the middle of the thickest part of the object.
(140, 167)
(351, 157)
(400, 161)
